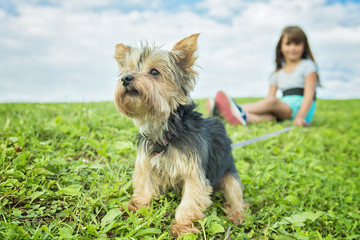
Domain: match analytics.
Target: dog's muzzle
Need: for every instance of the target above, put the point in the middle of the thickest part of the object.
(126, 80)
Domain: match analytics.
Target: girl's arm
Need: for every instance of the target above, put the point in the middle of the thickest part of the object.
(309, 91)
(272, 90)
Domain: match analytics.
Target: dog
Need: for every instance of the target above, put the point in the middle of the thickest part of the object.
(177, 148)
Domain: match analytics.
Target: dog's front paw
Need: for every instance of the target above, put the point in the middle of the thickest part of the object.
(236, 217)
(180, 229)
(130, 206)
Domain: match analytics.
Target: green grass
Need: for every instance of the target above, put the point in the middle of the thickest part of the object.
(74, 169)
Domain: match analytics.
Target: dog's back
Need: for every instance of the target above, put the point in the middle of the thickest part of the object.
(207, 137)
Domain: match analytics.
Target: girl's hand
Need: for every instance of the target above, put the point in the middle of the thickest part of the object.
(299, 121)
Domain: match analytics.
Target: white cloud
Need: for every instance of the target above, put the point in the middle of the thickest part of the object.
(65, 52)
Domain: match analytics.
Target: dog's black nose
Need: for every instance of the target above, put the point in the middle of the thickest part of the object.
(126, 80)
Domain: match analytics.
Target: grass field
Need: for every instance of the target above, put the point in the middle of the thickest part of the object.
(65, 169)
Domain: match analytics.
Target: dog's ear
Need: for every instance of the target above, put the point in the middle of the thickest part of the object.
(185, 51)
(120, 53)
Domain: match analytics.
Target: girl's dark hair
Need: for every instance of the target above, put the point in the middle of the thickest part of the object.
(295, 35)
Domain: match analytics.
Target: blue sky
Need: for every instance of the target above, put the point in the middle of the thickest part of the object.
(55, 51)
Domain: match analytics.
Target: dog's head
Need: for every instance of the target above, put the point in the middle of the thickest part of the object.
(154, 82)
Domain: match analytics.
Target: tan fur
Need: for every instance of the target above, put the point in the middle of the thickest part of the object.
(120, 53)
(195, 199)
(158, 97)
(167, 170)
(149, 100)
(187, 48)
(235, 204)
(155, 174)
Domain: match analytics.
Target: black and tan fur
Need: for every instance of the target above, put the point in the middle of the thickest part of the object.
(177, 148)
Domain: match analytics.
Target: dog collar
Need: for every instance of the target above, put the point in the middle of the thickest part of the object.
(159, 147)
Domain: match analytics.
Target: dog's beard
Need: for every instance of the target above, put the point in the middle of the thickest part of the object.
(142, 104)
(129, 101)
(131, 92)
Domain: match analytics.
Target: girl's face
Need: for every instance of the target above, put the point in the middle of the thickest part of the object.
(291, 51)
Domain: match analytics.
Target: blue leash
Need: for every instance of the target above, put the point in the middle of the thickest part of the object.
(247, 142)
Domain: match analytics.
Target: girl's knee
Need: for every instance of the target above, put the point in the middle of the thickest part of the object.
(271, 101)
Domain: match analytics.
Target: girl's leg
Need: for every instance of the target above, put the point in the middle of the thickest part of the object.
(268, 106)
(264, 110)
(254, 118)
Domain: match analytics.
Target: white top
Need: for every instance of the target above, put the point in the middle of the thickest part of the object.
(295, 79)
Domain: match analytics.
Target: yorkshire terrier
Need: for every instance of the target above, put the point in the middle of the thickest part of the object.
(177, 148)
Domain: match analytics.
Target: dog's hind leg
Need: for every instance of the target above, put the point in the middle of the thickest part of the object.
(232, 190)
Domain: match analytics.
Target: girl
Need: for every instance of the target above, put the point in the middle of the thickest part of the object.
(295, 74)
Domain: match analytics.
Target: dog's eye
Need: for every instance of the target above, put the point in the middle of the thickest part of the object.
(154, 72)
